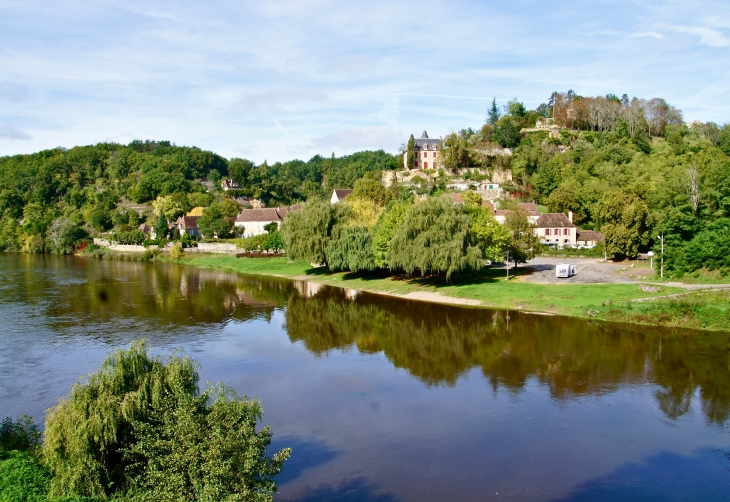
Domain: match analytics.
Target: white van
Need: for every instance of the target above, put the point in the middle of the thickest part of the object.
(564, 270)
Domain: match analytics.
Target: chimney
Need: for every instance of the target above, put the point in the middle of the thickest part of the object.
(570, 216)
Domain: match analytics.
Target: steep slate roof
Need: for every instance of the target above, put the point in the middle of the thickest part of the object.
(589, 235)
(424, 141)
(342, 192)
(554, 220)
(185, 223)
(144, 228)
(529, 207)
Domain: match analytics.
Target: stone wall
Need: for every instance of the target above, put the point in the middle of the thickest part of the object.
(214, 247)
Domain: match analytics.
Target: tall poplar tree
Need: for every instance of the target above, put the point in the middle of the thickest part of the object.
(493, 113)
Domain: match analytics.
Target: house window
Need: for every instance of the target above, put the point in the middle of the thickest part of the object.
(566, 231)
(425, 155)
(565, 240)
(547, 231)
(425, 165)
(434, 154)
(415, 163)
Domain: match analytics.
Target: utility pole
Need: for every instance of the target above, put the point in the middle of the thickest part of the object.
(661, 273)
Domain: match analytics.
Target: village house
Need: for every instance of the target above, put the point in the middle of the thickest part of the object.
(186, 225)
(588, 238)
(145, 229)
(529, 208)
(339, 194)
(556, 229)
(251, 222)
(425, 153)
(230, 185)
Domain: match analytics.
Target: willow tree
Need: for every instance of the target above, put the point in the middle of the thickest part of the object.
(307, 232)
(384, 230)
(434, 238)
(139, 428)
(351, 249)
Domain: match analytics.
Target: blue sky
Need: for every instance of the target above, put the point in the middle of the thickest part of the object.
(286, 79)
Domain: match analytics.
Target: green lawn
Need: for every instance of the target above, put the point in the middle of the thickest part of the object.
(490, 286)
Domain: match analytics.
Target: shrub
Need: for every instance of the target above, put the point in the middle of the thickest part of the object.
(176, 251)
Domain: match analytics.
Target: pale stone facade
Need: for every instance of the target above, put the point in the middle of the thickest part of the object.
(425, 153)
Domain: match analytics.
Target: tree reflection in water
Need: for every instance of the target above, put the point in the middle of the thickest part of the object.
(438, 343)
(435, 343)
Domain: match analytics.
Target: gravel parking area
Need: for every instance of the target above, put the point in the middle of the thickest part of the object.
(588, 271)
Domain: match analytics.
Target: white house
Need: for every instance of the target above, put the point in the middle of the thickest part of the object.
(529, 208)
(250, 222)
(186, 225)
(588, 238)
(339, 194)
(229, 185)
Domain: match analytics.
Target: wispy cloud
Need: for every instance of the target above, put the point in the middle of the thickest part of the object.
(301, 77)
(11, 132)
(707, 36)
(649, 34)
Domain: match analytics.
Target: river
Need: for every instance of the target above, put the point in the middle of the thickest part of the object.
(384, 399)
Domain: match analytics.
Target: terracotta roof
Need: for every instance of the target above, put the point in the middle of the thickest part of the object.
(554, 220)
(342, 192)
(488, 204)
(589, 235)
(529, 207)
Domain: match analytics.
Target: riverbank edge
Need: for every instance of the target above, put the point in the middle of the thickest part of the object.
(615, 303)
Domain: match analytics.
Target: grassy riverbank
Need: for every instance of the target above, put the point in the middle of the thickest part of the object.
(614, 302)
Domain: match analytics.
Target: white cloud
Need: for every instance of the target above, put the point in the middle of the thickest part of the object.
(708, 36)
(648, 34)
(265, 78)
(11, 132)
(367, 138)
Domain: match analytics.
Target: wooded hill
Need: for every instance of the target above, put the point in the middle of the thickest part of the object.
(80, 189)
(630, 168)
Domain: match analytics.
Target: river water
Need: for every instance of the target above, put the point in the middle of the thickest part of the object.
(383, 399)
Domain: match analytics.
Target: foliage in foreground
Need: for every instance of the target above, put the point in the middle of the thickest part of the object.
(140, 428)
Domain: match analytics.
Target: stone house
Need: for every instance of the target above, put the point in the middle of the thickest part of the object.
(186, 225)
(425, 153)
(556, 229)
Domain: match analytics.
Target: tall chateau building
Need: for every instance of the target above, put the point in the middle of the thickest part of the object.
(425, 153)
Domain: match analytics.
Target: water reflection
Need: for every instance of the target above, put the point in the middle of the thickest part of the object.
(437, 344)
(116, 301)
